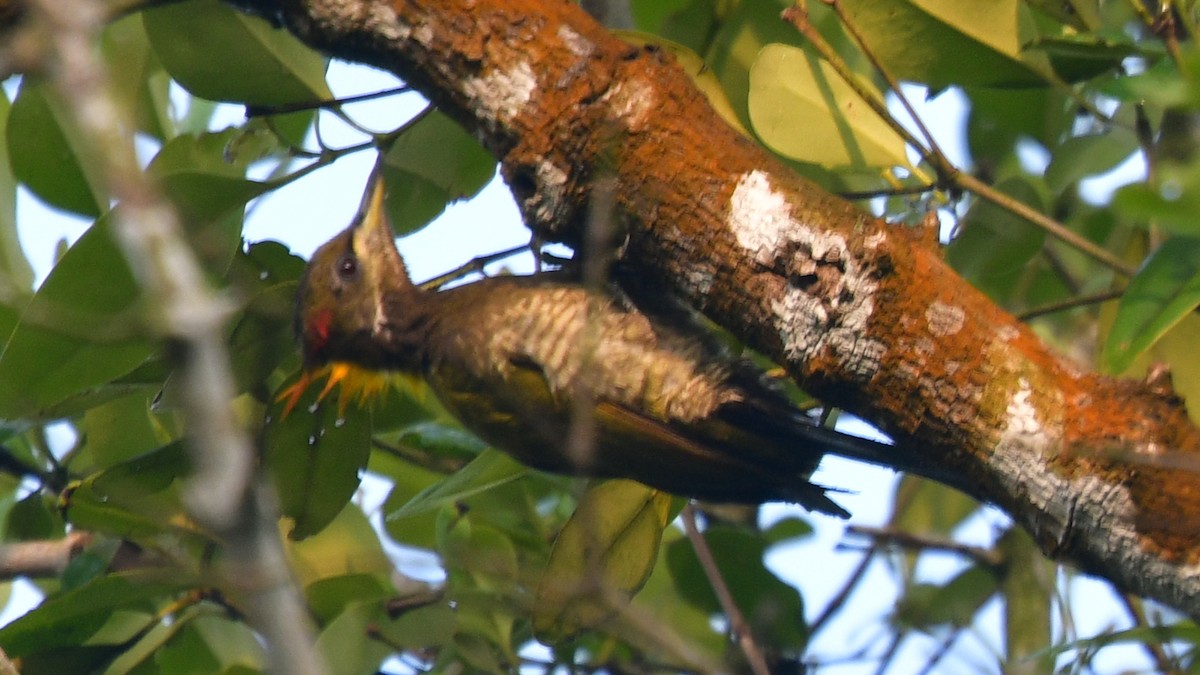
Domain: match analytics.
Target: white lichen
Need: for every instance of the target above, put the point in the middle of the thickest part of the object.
(576, 43)
(832, 318)
(500, 94)
(944, 320)
(631, 101)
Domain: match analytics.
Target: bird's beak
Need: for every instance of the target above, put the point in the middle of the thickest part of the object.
(373, 233)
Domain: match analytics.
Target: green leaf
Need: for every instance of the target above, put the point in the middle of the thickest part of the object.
(236, 57)
(433, 164)
(121, 429)
(207, 186)
(489, 470)
(347, 644)
(1166, 289)
(348, 545)
(75, 617)
(139, 84)
(601, 558)
(315, 458)
(1082, 156)
(801, 108)
(77, 333)
(995, 245)
(774, 609)
(331, 596)
(926, 606)
(49, 156)
(952, 42)
(16, 276)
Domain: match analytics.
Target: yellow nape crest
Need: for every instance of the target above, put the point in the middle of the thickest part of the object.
(355, 382)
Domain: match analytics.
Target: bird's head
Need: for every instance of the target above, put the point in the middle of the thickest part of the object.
(340, 303)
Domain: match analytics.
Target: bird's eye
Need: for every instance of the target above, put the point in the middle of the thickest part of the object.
(347, 267)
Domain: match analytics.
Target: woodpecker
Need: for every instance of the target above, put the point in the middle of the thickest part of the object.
(523, 361)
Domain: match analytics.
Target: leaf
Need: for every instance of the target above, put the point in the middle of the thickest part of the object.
(773, 608)
(926, 606)
(601, 558)
(489, 470)
(236, 57)
(701, 75)
(347, 643)
(433, 164)
(16, 276)
(206, 185)
(1082, 156)
(995, 245)
(139, 83)
(801, 108)
(315, 458)
(1166, 289)
(48, 155)
(121, 429)
(72, 618)
(952, 42)
(76, 334)
(348, 545)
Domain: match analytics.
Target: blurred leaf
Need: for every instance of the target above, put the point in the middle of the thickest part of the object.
(959, 42)
(331, 596)
(16, 276)
(1028, 589)
(1166, 289)
(236, 57)
(48, 155)
(433, 164)
(315, 458)
(348, 545)
(926, 606)
(73, 618)
(347, 644)
(1090, 155)
(701, 75)
(1081, 57)
(489, 470)
(136, 500)
(774, 609)
(801, 108)
(601, 558)
(994, 245)
(139, 84)
(121, 429)
(1171, 204)
(76, 333)
(208, 188)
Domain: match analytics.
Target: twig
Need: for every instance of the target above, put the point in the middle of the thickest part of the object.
(1071, 303)
(222, 493)
(262, 111)
(737, 621)
(883, 535)
(947, 172)
(474, 265)
(41, 558)
(1163, 662)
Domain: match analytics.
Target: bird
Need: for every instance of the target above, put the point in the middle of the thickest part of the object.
(524, 361)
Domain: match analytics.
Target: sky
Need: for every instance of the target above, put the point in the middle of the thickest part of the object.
(305, 214)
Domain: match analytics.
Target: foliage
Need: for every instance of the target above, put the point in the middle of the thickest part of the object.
(1058, 92)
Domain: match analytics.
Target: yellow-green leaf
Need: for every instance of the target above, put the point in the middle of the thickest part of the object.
(601, 558)
(802, 109)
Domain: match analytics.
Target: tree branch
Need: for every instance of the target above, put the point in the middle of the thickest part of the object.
(859, 313)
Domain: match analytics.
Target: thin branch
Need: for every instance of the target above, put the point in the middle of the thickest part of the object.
(946, 171)
(262, 111)
(1163, 662)
(474, 265)
(1071, 303)
(882, 535)
(737, 621)
(223, 493)
(40, 559)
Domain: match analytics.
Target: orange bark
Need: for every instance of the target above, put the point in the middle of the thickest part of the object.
(859, 313)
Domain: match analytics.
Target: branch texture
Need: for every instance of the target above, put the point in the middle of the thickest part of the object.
(860, 313)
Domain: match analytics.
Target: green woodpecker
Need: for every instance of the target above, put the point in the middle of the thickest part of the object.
(523, 361)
